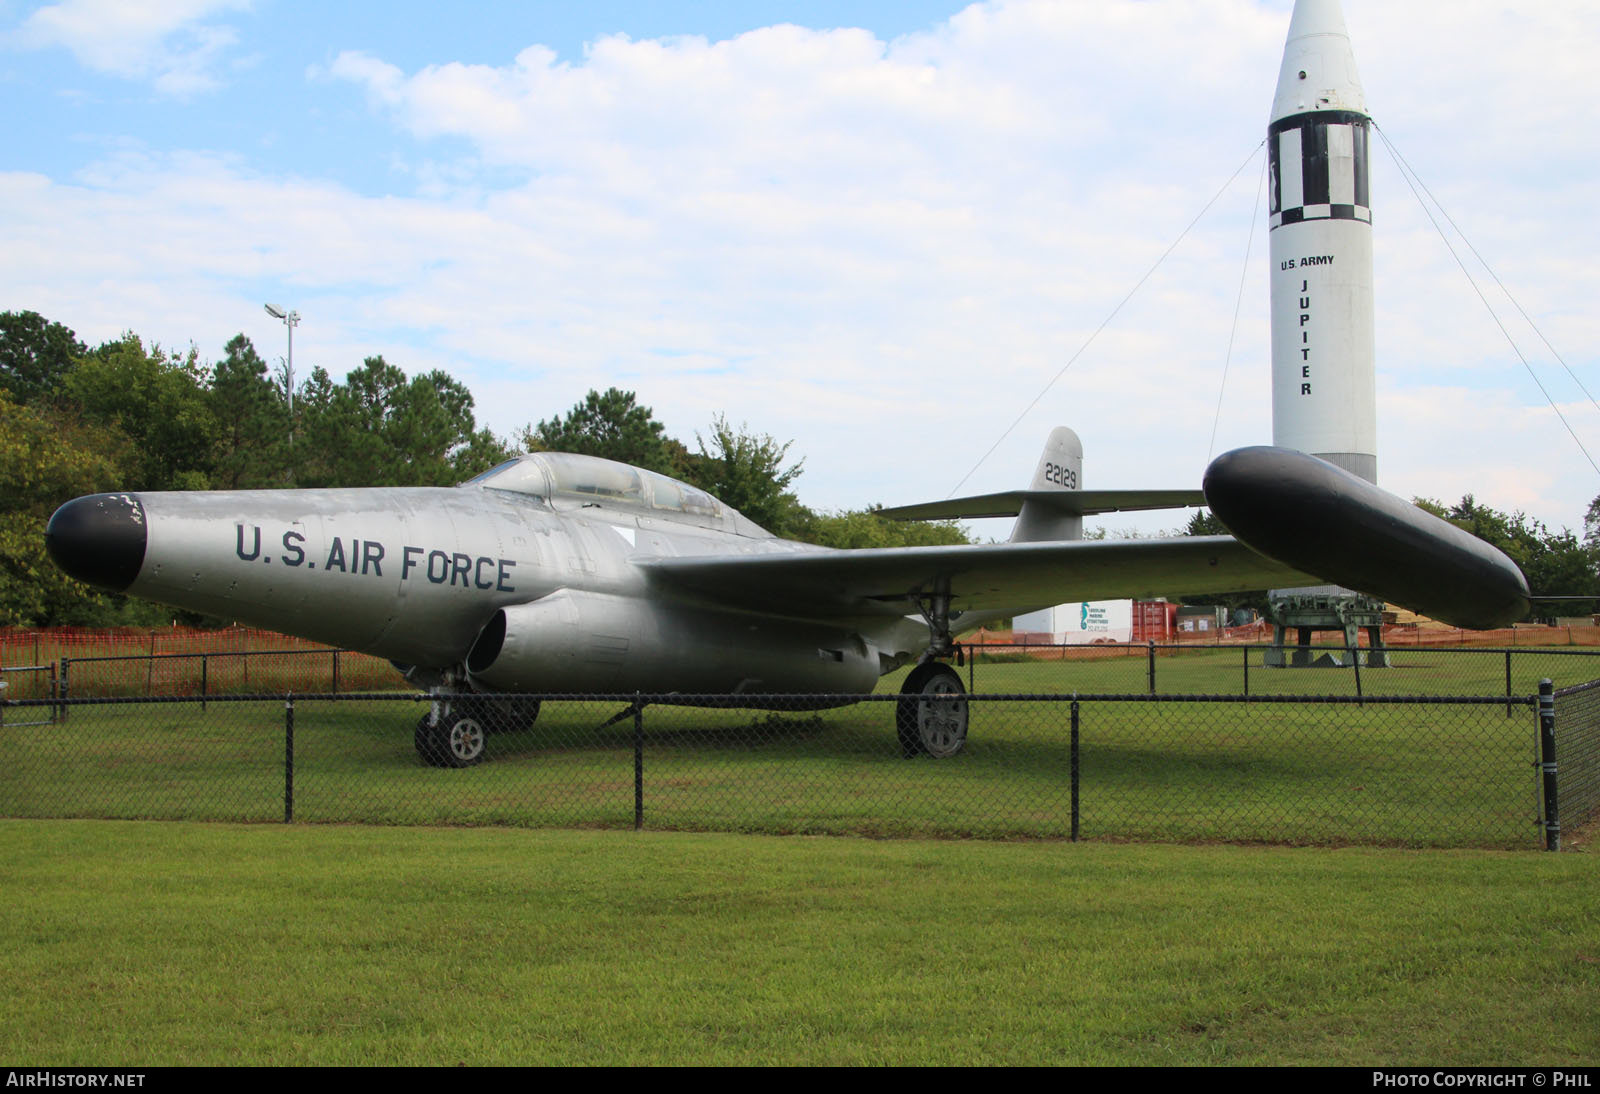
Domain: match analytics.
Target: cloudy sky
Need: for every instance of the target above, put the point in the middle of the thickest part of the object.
(878, 230)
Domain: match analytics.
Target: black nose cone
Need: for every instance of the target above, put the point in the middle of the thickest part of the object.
(99, 539)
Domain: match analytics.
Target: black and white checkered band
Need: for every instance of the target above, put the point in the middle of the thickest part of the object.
(1317, 164)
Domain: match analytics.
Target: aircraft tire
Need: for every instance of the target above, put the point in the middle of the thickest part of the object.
(423, 738)
(931, 716)
(458, 741)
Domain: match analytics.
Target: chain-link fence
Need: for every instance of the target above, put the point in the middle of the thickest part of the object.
(1240, 670)
(256, 662)
(30, 682)
(995, 668)
(1577, 724)
(1438, 771)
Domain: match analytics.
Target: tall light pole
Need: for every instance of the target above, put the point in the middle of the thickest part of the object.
(291, 319)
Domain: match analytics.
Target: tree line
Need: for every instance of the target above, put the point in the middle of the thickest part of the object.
(125, 415)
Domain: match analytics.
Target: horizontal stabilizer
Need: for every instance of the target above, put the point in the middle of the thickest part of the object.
(1083, 503)
(1309, 514)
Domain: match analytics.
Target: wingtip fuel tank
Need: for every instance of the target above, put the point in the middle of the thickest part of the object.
(1320, 518)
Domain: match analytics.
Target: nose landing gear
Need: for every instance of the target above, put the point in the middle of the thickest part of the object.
(453, 740)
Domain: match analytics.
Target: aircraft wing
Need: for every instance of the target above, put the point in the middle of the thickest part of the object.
(1007, 577)
(1306, 521)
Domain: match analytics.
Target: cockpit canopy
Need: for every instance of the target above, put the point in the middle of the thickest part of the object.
(567, 480)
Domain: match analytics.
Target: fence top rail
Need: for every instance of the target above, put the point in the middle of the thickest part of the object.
(979, 648)
(165, 655)
(27, 668)
(1577, 689)
(802, 702)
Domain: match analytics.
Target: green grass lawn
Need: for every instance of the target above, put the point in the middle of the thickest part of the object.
(133, 944)
(533, 939)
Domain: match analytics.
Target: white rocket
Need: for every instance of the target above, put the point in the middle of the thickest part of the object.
(1323, 395)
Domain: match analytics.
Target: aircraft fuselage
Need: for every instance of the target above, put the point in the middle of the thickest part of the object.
(420, 575)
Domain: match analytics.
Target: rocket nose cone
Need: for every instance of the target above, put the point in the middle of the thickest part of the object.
(1319, 68)
(99, 539)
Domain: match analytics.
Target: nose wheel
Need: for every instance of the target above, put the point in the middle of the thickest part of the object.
(931, 716)
(455, 740)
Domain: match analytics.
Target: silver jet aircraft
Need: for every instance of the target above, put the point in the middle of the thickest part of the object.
(561, 574)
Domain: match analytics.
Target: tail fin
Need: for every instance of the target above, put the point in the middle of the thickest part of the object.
(1060, 469)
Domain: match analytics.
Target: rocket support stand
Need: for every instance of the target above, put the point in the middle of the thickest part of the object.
(1336, 610)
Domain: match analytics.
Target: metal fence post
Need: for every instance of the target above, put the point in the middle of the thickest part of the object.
(288, 758)
(205, 673)
(1151, 658)
(1508, 681)
(1547, 764)
(638, 763)
(62, 691)
(336, 672)
(1247, 672)
(1075, 769)
(1355, 663)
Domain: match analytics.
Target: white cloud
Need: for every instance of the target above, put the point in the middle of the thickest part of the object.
(168, 42)
(884, 250)
(383, 81)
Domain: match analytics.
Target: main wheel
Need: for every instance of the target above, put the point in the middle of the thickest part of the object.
(931, 716)
(457, 741)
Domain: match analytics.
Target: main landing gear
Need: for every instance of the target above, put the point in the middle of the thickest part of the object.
(454, 733)
(931, 716)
